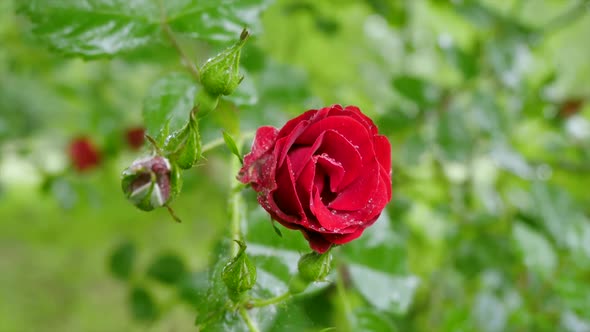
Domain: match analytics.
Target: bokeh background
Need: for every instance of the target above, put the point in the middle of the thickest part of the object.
(485, 103)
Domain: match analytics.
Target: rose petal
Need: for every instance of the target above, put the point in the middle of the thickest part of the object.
(357, 195)
(288, 127)
(383, 151)
(348, 127)
(284, 144)
(330, 220)
(258, 168)
(316, 241)
(332, 169)
(340, 149)
(285, 196)
(355, 113)
(344, 238)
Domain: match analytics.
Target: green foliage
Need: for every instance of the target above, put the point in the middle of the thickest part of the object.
(122, 259)
(112, 27)
(167, 268)
(168, 104)
(142, 305)
(485, 103)
(231, 145)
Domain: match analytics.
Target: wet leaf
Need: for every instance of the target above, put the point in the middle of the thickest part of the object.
(167, 105)
(103, 28)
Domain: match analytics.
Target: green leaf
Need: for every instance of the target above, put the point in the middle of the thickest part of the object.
(231, 144)
(379, 256)
(276, 229)
(167, 105)
(371, 320)
(455, 142)
(419, 91)
(536, 251)
(464, 61)
(99, 28)
(142, 305)
(121, 260)
(167, 268)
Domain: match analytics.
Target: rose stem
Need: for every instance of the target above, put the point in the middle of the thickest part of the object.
(186, 61)
(236, 203)
(272, 300)
(251, 325)
(342, 294)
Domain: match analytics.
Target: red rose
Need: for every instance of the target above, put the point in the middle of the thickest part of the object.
(135, 137)
(327, 173)
(83, 154)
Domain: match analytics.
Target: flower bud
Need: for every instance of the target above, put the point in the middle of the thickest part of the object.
(151, 182)
(183, 147)
(315, 267)
(83, 154)
(239, 275)
(135, 137)
(220, 75)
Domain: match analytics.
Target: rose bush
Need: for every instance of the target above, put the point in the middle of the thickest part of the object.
(326, 173)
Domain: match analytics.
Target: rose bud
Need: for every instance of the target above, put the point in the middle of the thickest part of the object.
(83, 154)
(151, 182)
(220, 75)
(239, 275)
(184, 146)
(326, 173)
(311, 267)
(570, 107)
(135, 137)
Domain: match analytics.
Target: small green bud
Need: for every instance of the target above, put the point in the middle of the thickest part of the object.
(239, 275)
(220, 75)
(184, 145)
(315, 267)
(151, 182)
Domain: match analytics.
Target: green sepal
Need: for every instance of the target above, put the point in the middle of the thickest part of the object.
(183, 147)
(239, 275)
(220, 75)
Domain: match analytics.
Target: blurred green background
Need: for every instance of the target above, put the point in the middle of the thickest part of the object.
(485, 103)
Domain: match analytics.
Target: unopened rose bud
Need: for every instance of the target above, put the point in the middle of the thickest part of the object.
(183, 147)
(311, 267)
(83, 154)
(314, 266)
(220, 75)
(151, 182)
(135, 137)
(239, 275)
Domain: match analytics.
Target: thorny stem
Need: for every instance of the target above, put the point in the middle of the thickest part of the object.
(186, 61)
(342, 294)
(272, 300)
(236, 204)
(249, 322)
